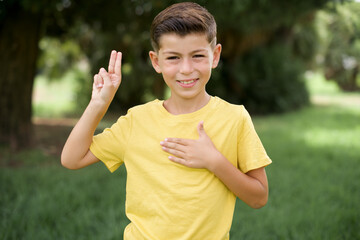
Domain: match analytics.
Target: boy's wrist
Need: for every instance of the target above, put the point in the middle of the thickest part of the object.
(216, 163)
(98, 104)
(98, 108)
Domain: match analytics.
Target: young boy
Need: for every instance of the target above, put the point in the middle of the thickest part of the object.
(188, 157)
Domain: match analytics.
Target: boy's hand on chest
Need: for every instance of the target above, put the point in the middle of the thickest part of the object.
(193, 153)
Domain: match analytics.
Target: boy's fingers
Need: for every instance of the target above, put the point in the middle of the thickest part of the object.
(112, 61)
(118, 64)
(105, 76)
(179, 160)
(95, 79)
(201, 129)
(174, 152)
(98, 81)
(174, 146)
(181, 141)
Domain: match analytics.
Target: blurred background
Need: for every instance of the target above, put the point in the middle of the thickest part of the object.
(293, 64)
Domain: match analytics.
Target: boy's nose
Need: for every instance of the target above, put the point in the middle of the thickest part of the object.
(186, 66)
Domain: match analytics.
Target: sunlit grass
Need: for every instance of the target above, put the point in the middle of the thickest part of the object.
(326, 92)
(318, 85)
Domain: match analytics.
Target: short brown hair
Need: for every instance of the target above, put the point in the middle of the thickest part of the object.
(182, 19)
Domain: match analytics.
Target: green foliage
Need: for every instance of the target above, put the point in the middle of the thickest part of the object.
(246, 16)
(267, 48)
(58, 57)
(126, 29)
(265, 80)
(306, 42)
(342, 41)
(46, 7)
(62, 61)
(245, 28)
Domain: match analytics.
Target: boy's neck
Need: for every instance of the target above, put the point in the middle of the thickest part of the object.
(177, 106)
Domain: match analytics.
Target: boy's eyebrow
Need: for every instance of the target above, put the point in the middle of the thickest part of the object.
(177, 53)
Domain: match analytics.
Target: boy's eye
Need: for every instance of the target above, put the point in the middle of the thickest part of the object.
(172, 58)
(199, 56)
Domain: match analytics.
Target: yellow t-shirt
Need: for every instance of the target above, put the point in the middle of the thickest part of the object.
(165, 200)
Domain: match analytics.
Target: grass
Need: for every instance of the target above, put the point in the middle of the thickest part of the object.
(313, 181)
(53, 203)
(314, 189)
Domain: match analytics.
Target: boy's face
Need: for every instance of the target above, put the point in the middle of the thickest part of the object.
(185, 63)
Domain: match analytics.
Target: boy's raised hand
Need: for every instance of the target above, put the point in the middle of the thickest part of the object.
(199, 153)
(106, 83)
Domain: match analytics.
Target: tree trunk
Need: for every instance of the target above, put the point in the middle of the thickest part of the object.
(19, 37)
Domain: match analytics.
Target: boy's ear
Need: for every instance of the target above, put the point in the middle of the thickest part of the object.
(155, 61)
(216, 58)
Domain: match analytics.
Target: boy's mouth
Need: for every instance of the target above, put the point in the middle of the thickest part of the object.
(188, 82)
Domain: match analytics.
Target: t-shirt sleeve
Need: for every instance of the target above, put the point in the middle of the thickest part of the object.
(110, 145)
(251, 152)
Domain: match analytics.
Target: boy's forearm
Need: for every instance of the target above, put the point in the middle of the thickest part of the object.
(76, 153)
(251, 187)
(80, 138)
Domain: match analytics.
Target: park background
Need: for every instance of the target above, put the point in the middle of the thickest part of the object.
(294, 65)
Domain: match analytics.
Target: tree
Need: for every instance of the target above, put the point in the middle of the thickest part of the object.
(252, 31)
(19, 51)
(262, 64)
(22, 24)
(342, 44)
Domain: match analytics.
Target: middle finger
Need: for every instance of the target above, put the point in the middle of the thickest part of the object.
(112, 62)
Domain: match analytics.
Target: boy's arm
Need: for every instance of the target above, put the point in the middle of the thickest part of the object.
(76, 153)
(250, 187)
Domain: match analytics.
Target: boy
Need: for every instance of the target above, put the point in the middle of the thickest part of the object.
(182, 179)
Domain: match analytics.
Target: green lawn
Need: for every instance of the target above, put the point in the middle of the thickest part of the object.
(314, 178)
(314, 185)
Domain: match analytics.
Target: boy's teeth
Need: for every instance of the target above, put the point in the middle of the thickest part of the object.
(187, 82)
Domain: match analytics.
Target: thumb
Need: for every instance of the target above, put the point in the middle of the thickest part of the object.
(201, 129)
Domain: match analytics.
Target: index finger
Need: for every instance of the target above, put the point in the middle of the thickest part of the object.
(112, 61)
(118, 64)
(181, 141)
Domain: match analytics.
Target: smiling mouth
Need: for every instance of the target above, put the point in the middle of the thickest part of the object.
(187, 82)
